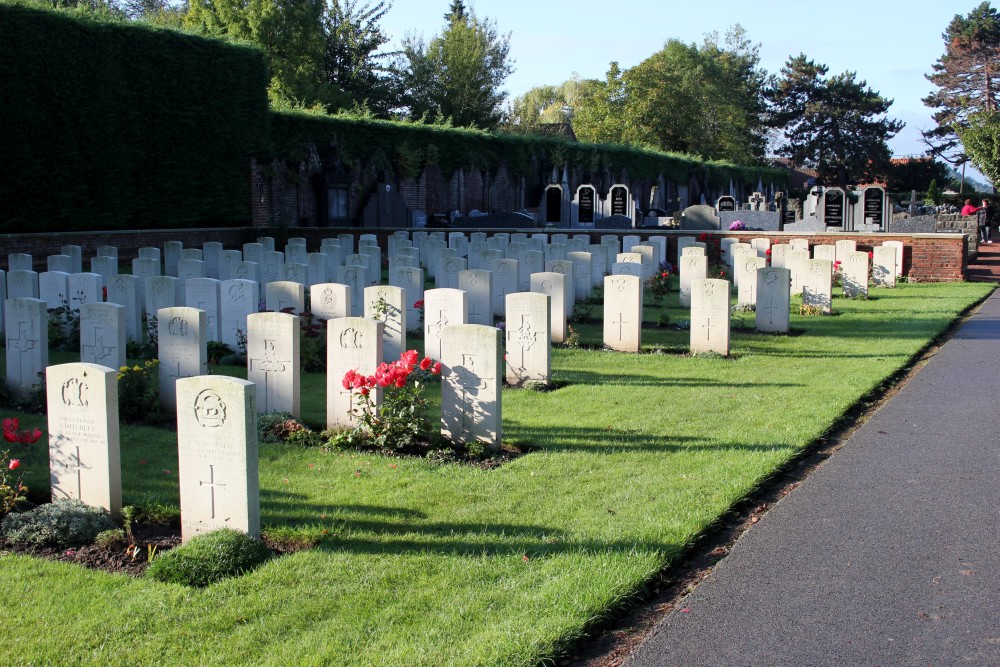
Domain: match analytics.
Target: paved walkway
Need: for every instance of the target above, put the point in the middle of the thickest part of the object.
(888, 554)
(986, 266)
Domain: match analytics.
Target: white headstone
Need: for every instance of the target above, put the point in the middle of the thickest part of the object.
(171, 255)
(898, 245)
(273, 361)
(160, 292)
(22, 284)
(623, 313)
(710, 316)
(284, 296)
(773, 298)
(778, 253)
(855, 274)
(217, 455)
(410, 279)
(20, 261)
(212, 255)
(352, 343)
(84, 454)
(553, 285)
(478, 286)
(387, 304)
(76, 252)
(796, 260)
(245, 271)
(183, 349)
(505, 281)
(443, 307)
(106, 267)
(61, 263)
(124, 291)
(353, 275)
(844, 247)
(884, 266)
(27, 331)
(747, 270)
(237, 299)
(529, 348)
(817, 284)
(471, 381)
(328, 301)
(692, 268)
(102, 334)
(84, 288)
(53, 288)
(203, 294)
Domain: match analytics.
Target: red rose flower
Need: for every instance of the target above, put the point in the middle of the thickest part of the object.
(14, 464)
(436, 368)
(425, 364)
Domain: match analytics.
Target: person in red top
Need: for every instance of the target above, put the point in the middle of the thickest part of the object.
(969, 209)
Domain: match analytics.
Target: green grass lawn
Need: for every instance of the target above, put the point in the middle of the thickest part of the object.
(454, 565)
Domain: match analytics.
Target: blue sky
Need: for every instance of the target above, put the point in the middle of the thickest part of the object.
(891, 44)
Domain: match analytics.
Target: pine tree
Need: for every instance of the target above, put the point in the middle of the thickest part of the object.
(836, 125)
(967, 78)
(456, 12)
(934, 193)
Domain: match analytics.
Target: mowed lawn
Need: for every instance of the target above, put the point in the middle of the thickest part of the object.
(423, 564)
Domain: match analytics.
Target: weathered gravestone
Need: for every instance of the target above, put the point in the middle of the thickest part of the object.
(211, 255)
(471, 380)
(26, 322)
(20, 261)
(825, 252)
(898, 245)
(710, 316)
(844, 248)
(183, 349)
(623, 313)
(160, 292)
(773, 299)
(778, 253)
(553, 285)
(582, 287)
(102, 334)
(443, 307)
(795, 261)
(62, 263)
(386, 304)
(352, 343)
(700, 217)
(84, 455)
(217, 455)
(245, 271)
(354, 276)
(627, 268)
(529, 349)
(203, 294)
(565, 267)
(76, 253)
(84, 288)
(171, 255)
(273, 361)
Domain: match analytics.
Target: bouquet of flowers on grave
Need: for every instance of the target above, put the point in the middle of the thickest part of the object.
(737, 226)
(12, 488)
(657, 284)
(838, 274)
(397, 424)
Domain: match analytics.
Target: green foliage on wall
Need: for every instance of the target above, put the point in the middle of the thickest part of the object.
(454, 148)
(112, 126)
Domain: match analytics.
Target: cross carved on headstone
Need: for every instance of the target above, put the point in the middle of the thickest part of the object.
(769, 309)
(212, 485)
(79, 468)
(707, 326)
(21, 344)
(621, 325)
(98, 350)
(525, 336)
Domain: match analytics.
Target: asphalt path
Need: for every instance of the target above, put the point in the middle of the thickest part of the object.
(887, 554)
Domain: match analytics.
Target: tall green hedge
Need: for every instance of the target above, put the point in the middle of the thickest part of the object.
(113, 126)
(408, 147)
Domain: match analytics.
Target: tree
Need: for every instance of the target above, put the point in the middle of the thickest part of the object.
(836, 125)
(458, 75)
(289, 31)
(967, 78)
(352, 60)
(704, 100)
(981, 138)
(934, 195)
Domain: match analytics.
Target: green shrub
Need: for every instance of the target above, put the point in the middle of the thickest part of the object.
(64, 523)
(208, 558)
(110, 538)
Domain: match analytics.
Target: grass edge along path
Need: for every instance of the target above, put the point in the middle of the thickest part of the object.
(451, 565)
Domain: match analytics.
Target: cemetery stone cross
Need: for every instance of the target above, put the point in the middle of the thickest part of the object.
(912, 204)
(211, 484)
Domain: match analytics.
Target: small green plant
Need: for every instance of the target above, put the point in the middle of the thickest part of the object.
(582, 312)
(108, 539)
(572, 339)
(64, 328)
(209, 558)
(146, 348)
(217, 351)
(663, 319)
(312, 343)
(64, 523)
(139, 393)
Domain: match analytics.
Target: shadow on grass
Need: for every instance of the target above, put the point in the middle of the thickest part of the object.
(593, 378)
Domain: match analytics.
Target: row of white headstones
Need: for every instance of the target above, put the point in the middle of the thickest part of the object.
(472, 356)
